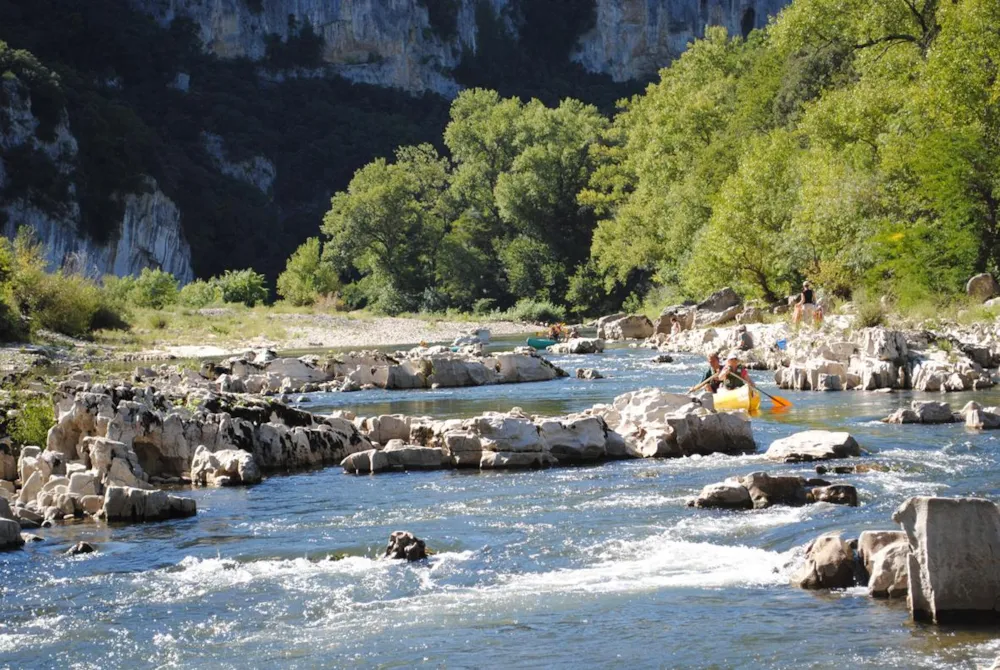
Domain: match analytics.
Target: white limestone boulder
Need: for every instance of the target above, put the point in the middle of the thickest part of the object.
(578, 345)
(954, 559)
(227, 467)
(813, 445)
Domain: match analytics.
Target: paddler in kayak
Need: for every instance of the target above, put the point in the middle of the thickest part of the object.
(733, 375)
(714, 368)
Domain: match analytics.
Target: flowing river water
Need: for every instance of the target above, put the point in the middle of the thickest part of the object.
(600, 566)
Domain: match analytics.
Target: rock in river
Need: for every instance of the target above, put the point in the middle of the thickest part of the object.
(829, 564)
(813, 445)
(405, 545)
(954, 559)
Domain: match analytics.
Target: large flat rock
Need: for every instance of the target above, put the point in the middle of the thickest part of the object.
(813, 445)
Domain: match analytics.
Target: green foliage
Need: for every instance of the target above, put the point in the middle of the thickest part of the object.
(851, 143)
(500, 221)
(536, 311)
(153, 288)
(306, 276)
(243, 286)
(199, 293)
(35, 416)
(868, 314)
(484, 306)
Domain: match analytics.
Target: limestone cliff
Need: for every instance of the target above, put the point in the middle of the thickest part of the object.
(381, 42)
(632, 39)
(149, 234)
(392, 42)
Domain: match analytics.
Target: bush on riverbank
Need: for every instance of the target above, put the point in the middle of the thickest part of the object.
(34, 418)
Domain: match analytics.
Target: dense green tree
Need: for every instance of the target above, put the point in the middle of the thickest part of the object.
(307, 276)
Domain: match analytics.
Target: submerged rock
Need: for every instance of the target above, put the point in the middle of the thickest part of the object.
(588, 374)
(80, 548)
(405, 545)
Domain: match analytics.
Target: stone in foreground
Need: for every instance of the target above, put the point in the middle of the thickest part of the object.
(813, 445)
(954, 559)
(406, 546)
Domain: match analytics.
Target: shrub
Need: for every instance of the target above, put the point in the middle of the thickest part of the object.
(66, 304)
(245, 286)
(199, 294)
(118, 289)
(306, 276)
(158, 321)
(154, 289)
(536, 311)
(34, 418)
(484, 306)
(868, 315)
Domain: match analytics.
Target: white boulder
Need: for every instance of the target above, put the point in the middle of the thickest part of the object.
(813, 445)
(954, 559)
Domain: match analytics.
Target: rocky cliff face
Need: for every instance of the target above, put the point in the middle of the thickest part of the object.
(634, 38)
(381, 42)
(392, 42)
(149, 234)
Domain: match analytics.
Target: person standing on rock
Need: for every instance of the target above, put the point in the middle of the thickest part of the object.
(806, 305)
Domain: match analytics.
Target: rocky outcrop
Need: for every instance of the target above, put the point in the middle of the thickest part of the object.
(647, 423)
(759, 490)
(395, 44)
(632, 39)
(624, 327)
(953, 565)
(256, 171)
(813, 445)
(386, 44)
(404, 545)
(149, 234)
(112, 446)
(123, 503)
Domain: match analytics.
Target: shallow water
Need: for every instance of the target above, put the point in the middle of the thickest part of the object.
(599, 566)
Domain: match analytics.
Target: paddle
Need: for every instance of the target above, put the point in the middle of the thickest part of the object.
(776, 399)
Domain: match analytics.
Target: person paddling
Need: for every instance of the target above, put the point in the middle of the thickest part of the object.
(714, 368)
(734, 375)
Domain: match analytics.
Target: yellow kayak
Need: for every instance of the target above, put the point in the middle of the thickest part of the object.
(742, 398)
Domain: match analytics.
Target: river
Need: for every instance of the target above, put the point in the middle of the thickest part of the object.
(598, 566)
